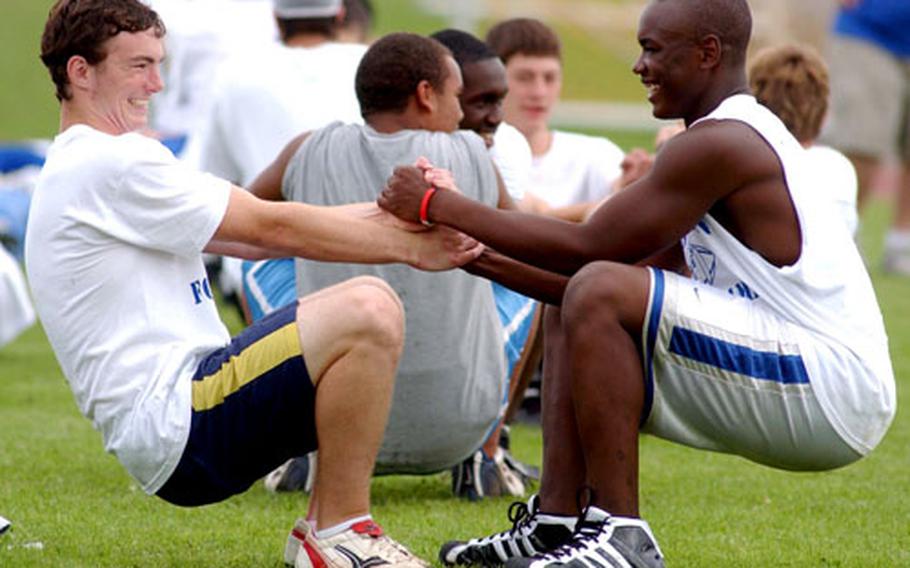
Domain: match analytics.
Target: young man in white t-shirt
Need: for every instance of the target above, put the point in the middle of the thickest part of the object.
(570, 172)
(113, 252)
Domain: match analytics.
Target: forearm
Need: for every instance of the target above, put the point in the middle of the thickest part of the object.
(240, 250)
(551, 244)
(548, 287)
(340, 234)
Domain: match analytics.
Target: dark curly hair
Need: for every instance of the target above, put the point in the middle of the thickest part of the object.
(81, 27)
(393, 67)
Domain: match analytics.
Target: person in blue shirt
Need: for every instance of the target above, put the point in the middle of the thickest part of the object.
(870, 104)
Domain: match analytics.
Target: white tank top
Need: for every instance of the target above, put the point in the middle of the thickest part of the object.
(826, 292)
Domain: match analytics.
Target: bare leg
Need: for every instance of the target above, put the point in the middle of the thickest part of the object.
(563, 459)
(902, 213)
(351, 336)
(866, 167)
(603, 314)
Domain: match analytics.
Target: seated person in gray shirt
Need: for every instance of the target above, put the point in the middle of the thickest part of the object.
(452, 377)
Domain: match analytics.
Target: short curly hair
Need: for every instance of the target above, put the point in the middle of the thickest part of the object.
(392, 68)
(792, 81)
(81, 27)
(524, 36)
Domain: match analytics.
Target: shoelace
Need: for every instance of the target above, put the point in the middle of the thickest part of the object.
(585, 530)
(520, 516)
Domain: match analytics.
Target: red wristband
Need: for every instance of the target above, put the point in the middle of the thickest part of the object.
(425, 206)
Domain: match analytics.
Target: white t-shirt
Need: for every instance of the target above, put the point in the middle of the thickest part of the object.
(512, 156)
(576, 169)
(16, 313)
(836, 179)
(113, 253)
(264, 99)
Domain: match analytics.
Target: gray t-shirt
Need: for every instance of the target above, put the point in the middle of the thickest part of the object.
(452, 376)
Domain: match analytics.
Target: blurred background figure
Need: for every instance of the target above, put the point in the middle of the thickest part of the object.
(869, 54)
(357, 26)
(792, 81)
(201, 34)
(16, 312)
(264, 96)
(570, 172)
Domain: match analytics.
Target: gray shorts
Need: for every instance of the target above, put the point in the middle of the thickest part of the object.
(870, 100)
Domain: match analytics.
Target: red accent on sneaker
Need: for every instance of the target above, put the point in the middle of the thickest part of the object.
(315, 558)
(369, 528)
(298, 534)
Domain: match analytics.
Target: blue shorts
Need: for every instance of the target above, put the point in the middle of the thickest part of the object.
(268, 285)
(516, 313)
(253, 409)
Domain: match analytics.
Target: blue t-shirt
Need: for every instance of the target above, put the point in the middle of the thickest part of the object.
(885, 23)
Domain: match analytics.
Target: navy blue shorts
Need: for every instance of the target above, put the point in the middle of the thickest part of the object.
(253, 409)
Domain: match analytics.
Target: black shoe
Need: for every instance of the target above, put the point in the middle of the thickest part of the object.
(296, 474)
(527, 537)
(602, 540)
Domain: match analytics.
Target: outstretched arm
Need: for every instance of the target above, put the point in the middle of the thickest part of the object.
(548, 287)
(694, 171)
(359, 233)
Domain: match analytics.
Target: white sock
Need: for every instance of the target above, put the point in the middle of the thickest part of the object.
(565, 520)
(340, 528)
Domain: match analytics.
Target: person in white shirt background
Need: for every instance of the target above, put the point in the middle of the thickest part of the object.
(792, 81)
(570, 172)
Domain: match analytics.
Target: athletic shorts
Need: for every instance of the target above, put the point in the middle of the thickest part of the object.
(870, 100)
(724, 374)
(268, 285)
(516, 314)
(253, 409)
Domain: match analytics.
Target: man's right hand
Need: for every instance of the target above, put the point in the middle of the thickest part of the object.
(442, 248)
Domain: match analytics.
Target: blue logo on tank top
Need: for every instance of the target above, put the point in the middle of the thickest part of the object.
(742, 290)
(201, 290)
(702, 263)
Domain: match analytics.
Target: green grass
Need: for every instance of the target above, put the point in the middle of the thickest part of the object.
(60, 489)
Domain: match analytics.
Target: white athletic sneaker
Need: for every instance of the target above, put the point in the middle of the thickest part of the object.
(364, 545)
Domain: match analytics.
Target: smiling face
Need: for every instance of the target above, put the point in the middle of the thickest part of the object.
(120, 86)
(485, 87)
(669, 61)
(534, 86)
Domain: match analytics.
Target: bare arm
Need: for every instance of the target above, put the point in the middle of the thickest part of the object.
(548, 287)
(692, 172)
(267, 184)
(352, 233)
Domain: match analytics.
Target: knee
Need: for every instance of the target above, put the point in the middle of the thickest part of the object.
(375, 312)
(595, 292)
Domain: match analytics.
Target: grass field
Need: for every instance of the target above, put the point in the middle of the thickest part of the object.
(73, 505)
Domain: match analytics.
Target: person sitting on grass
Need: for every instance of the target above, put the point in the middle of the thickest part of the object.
(712, 303)
(114, 258)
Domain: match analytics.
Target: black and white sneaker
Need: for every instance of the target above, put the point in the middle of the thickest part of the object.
(479, 476)
(601, 540)
(296, 474)
(532, 533)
